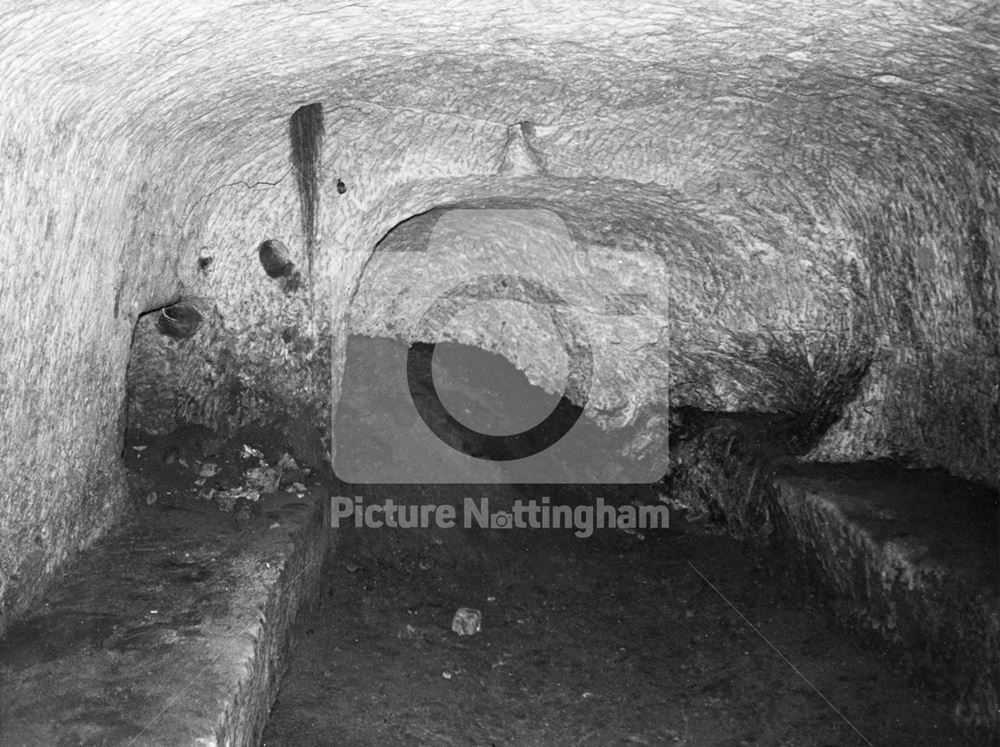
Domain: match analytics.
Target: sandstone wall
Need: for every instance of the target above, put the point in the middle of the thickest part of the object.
(770, 151)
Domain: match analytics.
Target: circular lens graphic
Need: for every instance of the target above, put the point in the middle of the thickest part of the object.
(420, 377)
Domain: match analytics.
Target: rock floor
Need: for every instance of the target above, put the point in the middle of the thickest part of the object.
(176, 628)
(682, 637)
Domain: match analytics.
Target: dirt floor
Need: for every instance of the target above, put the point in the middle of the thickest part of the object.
(614, 639)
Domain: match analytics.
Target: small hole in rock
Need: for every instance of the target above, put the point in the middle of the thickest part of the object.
(275, 258)
(180, 320)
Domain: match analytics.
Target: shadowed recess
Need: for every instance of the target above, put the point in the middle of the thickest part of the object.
(306, 131)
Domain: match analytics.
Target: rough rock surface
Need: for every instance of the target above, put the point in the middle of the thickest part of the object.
(175, 629)
(784, 157)
(911, 560)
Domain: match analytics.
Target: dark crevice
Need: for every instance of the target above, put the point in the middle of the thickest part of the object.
(306, 134)
(179, 320)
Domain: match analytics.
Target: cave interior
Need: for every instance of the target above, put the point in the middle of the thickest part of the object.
(269, 262)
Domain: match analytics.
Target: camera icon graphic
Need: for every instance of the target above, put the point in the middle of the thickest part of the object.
(501, 520)
(475, 355)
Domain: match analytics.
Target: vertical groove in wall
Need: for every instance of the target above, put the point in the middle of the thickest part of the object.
(305, 129)
(306, 134)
